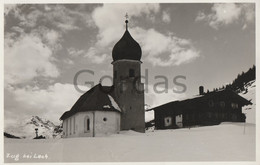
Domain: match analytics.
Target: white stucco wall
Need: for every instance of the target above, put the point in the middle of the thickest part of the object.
(111, 124)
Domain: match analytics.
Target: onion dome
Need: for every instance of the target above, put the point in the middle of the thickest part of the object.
(127, 48)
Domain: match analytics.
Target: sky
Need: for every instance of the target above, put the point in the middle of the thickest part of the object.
(183, 46)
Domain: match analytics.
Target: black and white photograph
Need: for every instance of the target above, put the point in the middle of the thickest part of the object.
(98, 82)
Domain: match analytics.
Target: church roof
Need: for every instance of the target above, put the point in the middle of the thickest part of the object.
(127, 48)
(98, 98)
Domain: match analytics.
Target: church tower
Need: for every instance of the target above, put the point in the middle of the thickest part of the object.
(129, 91)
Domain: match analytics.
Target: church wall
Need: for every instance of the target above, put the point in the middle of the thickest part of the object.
(75, 128)
(80, 124)
(78, 128)
(64, 128)
(107, 122)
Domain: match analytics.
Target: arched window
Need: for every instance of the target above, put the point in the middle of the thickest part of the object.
(86, 124)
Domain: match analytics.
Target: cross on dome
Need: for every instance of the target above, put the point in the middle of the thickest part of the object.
(126, 20)
(126, 16)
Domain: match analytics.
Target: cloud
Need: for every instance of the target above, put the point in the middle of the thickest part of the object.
(93, 56)
(166, 17)
(154, 99)
(109, 19)
(158, 49)
(27, 57)
(248, 10)
(32, 42)
(49, 37)
(227, 13)
(8, 8)
(165, 50)
(56, 16)
(49, 103)
(17, 29)
(75, 52)
(68, 61)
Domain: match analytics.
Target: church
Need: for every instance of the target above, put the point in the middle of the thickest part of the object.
(105, 110)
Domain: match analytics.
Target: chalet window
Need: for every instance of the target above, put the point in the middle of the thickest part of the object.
(211, 103)
(178, 120)
(167, 121)
(234, 105)
(131, 73)
(86, 124)
(222, 104)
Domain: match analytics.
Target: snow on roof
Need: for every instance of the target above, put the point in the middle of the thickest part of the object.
(114, 104)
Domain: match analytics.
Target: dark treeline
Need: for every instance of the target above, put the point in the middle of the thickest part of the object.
(238, 84)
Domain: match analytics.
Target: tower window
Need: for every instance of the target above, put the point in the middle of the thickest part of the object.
(115, 74)
(131, 73)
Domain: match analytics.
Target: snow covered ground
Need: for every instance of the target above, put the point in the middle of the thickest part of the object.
(225, 142)
(249, 94)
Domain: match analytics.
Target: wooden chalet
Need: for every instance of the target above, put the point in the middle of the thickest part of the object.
(205, 109)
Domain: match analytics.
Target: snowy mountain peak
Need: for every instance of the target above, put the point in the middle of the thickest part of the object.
(26, 129)
(38, 122)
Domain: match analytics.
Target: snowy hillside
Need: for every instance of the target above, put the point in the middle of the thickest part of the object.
(224, 142)
(249, 94)
(26, 129)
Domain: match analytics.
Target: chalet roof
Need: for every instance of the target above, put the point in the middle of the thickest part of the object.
(221, 95)
(98, 98)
